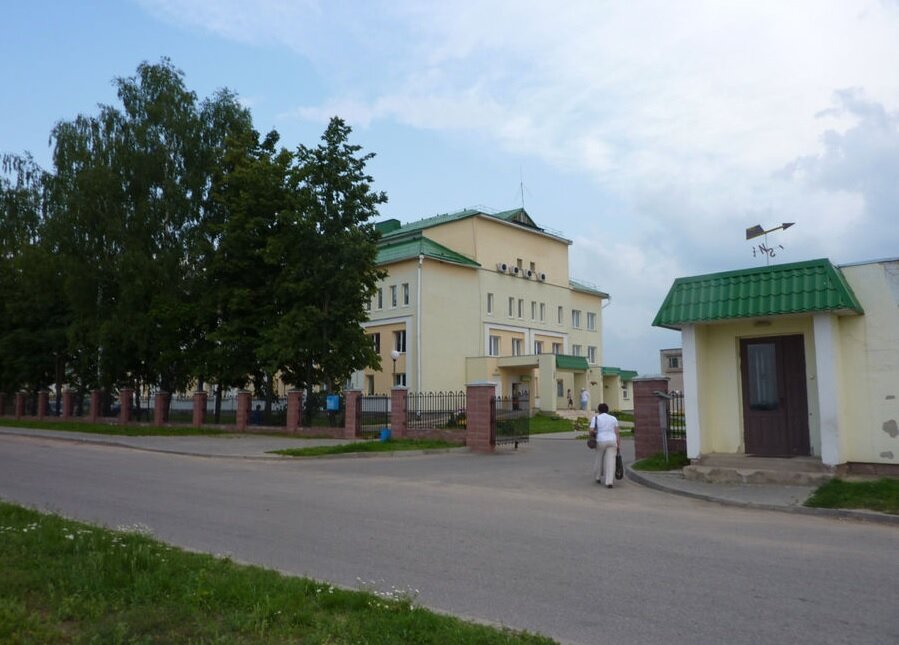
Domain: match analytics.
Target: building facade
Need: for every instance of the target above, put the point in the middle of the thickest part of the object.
(478, 297)
(791, 360)
(672, 367)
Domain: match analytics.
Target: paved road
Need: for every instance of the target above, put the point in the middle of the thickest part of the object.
(521, 538)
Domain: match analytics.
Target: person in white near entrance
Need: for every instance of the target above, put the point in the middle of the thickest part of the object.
(608, 443)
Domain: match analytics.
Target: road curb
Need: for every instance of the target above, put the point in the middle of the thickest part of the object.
(836, 513)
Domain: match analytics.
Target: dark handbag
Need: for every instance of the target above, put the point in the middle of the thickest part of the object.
(591, 443)
(619, 467)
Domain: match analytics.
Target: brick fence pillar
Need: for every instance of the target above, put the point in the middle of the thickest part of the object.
(647, 424)
(398, 412)
(68, 404)
(161, 408)
(294, 403)
(20, 405)
(353, 401)
(126, 400)
(479, 436)
(244, 401)
(96, 403)
(43, 401)
(199, 408)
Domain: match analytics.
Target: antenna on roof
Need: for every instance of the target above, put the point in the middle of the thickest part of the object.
(763, 248)
(521, 185)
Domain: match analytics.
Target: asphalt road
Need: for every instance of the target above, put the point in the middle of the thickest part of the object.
(525, 539)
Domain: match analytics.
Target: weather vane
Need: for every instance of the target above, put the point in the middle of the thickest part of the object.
(763, 248)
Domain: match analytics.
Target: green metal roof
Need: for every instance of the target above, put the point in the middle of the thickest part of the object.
(566, 362)
(412, 247)
(587, 288)
(625, 375)
(800, 287)
(391, 228)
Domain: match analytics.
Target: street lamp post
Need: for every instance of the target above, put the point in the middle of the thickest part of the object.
(394, 355)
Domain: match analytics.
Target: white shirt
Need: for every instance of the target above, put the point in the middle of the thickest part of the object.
(605, 426)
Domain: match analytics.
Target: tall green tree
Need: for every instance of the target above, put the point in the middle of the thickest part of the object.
(325, 248)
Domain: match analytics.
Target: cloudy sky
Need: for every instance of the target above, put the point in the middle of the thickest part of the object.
(651, 133)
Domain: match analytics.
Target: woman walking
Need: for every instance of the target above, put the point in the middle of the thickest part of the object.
(608, 443)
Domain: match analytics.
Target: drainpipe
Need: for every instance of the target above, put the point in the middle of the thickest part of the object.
(421, 259)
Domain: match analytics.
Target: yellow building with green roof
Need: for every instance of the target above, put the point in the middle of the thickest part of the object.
(483, 297)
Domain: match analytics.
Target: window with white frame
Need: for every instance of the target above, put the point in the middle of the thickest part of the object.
(399, 341)
(494, 346)
(490, 304)
(624, 391)
(575, 350)
(542, 311)
(560, 315)
(399, 379)
(405, 294)
(521, 307)
(591, 354)
(560, 388)
(380, 298)
(517, 347)
(538, 346)
(511, 306)
(557, 348)
(576, 318)
(591, 320)
(533, 310)
(673, 362)
(393, 295)
(376, 342)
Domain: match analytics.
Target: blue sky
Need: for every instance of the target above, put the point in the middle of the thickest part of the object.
(651, 133)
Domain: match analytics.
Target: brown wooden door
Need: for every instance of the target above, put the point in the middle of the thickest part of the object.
(775, 404)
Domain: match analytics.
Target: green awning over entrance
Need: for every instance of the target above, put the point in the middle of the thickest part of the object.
(801, 287)
(565, 362)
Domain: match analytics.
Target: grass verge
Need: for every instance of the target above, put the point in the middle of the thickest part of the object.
(66, 582)
(880, 495)
(549, 423)
(110, 428)
(393, 445)
(675, 461)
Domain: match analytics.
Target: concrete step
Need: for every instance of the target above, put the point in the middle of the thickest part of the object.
(743, 469)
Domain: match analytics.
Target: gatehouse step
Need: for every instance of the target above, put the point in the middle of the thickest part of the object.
(746, 469)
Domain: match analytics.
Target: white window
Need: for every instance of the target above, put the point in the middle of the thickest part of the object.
(624, 391)
(542, 311)
(560, 389)
(399, 341)
(673, 362)
(393, 295)
(369, 384)
(521, 308)
(557, 348)
(575, 350)
(490, 304)
(406, 294)
(380, 298)
(533, 310)
(591, 320)
(494, 348)
(511, 307)
(560, 315)
(517, 345)
(376, 342)
(538, 346)
(399, 379)
(576, 318)
(591, 354)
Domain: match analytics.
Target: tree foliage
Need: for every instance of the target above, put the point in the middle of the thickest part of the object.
(172, 244)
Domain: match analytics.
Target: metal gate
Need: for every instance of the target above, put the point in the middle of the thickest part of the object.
(673, 422)
(373, 415)
(510, 420)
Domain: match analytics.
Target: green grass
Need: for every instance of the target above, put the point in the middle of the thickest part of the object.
(675, 461)
(394, 445)
(67, 582)
(623, 416)
(110, 429)
(548, 423)
(881, 495)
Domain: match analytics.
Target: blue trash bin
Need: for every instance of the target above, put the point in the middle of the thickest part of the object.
(385, 434)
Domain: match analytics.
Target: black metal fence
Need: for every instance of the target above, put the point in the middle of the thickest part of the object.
(677, 425)
(510, 420)
(372, 415)
(441, 410)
